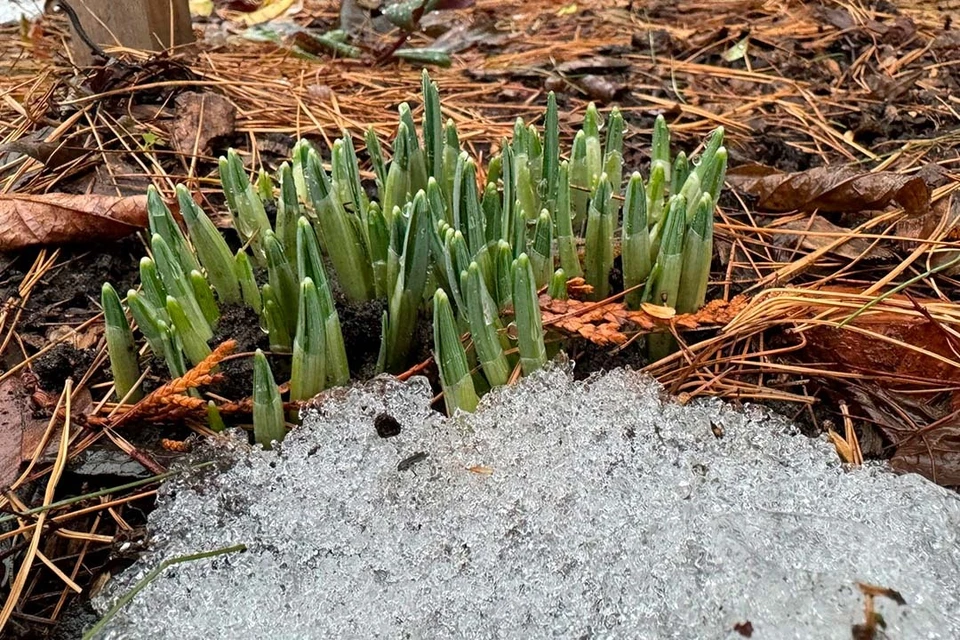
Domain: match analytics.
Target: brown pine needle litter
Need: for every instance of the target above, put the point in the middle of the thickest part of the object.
(842, 317)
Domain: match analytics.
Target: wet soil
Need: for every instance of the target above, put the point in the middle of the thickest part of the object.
(61, 362)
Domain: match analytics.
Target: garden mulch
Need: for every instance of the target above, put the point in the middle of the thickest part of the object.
(842, 126)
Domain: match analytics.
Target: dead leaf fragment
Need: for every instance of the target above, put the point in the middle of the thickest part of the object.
(934, 454)
(889, 342)
(263, 12)
(817, 232)
(599, 88)
(658, 310)
(86, 339)
(594, 64)
(480, 470)
(62, 218)
(199, 118)
(15, 420)
(830, 189)
(50, 154)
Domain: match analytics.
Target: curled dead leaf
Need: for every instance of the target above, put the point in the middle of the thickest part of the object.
(51, 154)
(817, 232)
(830, 189)
(62, 218)
(599, 88)
(200, 117)
(934, 454)
(658, 311)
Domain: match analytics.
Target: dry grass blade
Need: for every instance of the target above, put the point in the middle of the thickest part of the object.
(796, 314)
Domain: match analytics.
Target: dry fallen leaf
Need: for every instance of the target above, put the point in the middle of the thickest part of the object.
(593, 64)
(817, 232)
(86, 339)
(16, 419)
(81, 403)
(114, 176)
(599, 88)
(830, 189)
(865, 351)
(199, 118)
(21, 431)
(934, 454)
(266, 11)
(658, 310)
(924, 433)
(51, 154)
(62, 218)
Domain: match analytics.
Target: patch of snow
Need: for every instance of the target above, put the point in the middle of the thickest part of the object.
(11, 10)
(592, 509)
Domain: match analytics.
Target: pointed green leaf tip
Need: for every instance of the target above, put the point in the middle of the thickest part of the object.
(214, 420)
(307, 374)
(148, 320)
(541, 252)
(120, 345)
(268, 425)
(697, 255)
(458, 389)
(212, 249)
(533, 353)
(485, 327)
(598, 254)
(660, 148)
(248, 284)
(194, 345)
(558, 286)
(635, 240)
(162, 223)
(177, 284)
(551, 147)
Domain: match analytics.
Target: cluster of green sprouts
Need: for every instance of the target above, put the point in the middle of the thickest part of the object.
(480, 251)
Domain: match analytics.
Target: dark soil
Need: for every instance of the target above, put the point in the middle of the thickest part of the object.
(63, 361)
(68, 295)
(241, 323)
(360, 326)
(591, 358)
(71, 291)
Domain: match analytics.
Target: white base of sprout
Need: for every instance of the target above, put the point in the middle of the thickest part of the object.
(561, 508)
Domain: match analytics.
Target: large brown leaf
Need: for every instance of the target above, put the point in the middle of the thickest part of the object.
(830, 189)
(62, 218)
(856, 351)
